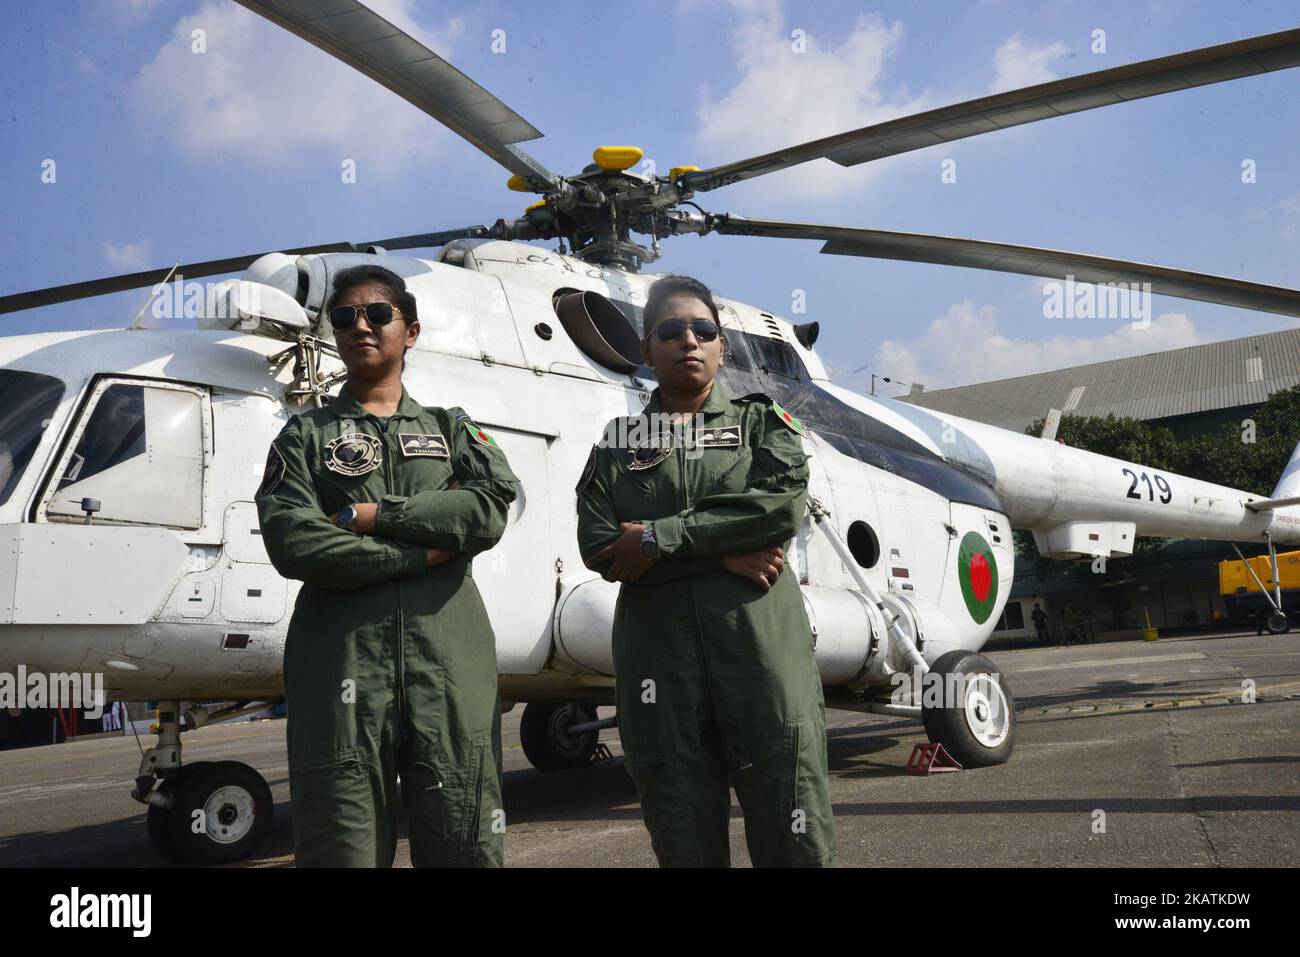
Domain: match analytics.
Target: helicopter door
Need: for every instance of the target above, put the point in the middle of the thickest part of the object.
(517, 577)
(136, 457)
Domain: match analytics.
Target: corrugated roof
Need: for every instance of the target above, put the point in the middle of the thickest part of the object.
(1217, 375)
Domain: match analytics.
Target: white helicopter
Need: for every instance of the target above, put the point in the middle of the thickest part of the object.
(129, 458)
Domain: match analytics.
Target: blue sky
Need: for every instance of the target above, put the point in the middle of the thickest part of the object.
(163, 154)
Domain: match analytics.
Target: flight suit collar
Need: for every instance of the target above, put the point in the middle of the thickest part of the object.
(347, 407)
(719, 400)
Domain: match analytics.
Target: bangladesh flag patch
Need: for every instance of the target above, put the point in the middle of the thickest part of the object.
(787, 418)
(977, 569)
(478, 434)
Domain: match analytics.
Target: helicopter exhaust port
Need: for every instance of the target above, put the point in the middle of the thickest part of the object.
(599, 328)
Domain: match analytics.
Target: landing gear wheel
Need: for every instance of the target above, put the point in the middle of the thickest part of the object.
(1278, 624)
(157, 819)
(237, 808)
(979, 727)
(543, 732)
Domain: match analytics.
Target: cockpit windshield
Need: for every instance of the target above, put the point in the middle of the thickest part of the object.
(27, 402)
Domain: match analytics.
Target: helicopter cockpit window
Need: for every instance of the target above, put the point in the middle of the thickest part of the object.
(27, 401)
(737, 351)
(777, 357)
(139, 454)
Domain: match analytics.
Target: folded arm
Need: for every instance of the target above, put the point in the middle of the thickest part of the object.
(304, 544)
(768, 512)
(470, 518)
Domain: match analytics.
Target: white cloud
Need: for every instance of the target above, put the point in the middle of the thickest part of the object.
(1024, 63)
(263, 95)
(783, 98)
(965, 345)
(129, 257)
(131, 9)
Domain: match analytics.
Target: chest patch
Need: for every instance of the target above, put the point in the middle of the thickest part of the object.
(718, 437)
(422, 445)
(353, 454)
(651, 452)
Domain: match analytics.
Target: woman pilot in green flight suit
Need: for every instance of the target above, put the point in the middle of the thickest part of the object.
(377, 504)
(688, 506)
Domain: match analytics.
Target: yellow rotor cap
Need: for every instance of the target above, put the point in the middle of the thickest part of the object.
(517, 183)
(677, 171)
(617, 157)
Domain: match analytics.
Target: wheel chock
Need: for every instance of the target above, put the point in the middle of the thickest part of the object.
(930, 758)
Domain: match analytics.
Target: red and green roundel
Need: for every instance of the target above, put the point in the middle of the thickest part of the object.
(977, 570)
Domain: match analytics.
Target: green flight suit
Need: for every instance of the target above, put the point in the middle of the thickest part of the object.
(715, 679)
(390, 667)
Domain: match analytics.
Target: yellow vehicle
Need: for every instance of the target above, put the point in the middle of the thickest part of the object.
(1247, 602)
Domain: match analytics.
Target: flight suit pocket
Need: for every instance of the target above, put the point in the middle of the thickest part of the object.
(790, 773)
(333, 811)
(446, 801)
(651, 772)
(808, 813)
(730, 473)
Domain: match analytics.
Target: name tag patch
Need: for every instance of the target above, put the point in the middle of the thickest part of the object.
(416, 444)
(718, 437)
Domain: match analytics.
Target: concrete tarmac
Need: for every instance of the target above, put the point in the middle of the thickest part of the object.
(1152, 739)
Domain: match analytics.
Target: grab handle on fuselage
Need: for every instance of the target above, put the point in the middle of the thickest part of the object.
(821, 517)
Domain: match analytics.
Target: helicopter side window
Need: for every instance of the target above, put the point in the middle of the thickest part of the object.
(139, 454)
(27, 401)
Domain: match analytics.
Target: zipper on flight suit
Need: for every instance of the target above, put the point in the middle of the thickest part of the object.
(695, 604)
(397, 584)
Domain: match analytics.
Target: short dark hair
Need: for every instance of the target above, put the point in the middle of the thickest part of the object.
(666, 287)
(394, 285)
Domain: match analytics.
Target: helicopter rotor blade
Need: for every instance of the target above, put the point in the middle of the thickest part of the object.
(368, 43)
(1121, 84)
(150, 277)
(1026, 260)
(432, 240)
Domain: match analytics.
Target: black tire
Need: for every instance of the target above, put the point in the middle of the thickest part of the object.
(950, 726)
(545, 743)
(157, 822)
(157, 818)
(237, 825)
(1277, 624)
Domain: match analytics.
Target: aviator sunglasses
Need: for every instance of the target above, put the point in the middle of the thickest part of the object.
(377, 314)
(706, 330)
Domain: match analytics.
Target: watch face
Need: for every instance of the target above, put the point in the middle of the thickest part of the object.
(649, 547)
(347, 515)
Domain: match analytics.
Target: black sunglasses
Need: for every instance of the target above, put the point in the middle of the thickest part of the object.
(377, 314)
(706, 330)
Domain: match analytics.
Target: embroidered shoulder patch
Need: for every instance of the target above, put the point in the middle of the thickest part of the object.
(476, 433)
(272, 473)
(787, 418)
(588, 471)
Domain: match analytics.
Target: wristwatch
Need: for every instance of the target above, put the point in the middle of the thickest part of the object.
(347, 515)
(649, 544)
